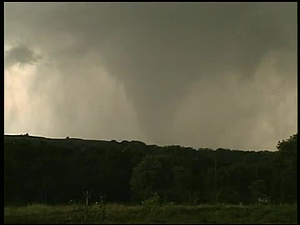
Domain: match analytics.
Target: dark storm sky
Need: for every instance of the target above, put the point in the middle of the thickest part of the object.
(195, 74)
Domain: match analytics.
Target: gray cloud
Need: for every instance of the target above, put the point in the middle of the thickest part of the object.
(165, 58)
(20, 54)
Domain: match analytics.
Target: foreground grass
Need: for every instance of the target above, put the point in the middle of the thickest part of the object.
(115, 213)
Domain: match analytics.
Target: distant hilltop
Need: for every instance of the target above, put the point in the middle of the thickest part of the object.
(74, 141)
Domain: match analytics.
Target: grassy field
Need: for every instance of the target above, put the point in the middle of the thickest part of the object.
(115, 213)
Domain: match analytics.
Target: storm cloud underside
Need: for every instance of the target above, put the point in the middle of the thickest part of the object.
(195, 74)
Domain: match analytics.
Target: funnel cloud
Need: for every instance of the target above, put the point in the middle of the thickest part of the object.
(195, 74)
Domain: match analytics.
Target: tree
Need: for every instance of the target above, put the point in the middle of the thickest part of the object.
(259, 190)
(288, 150)
(152, 175)
(287, 158)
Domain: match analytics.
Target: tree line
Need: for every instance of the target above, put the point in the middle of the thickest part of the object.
(55, 171)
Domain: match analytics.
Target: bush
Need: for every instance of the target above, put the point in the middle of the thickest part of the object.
(152, 202)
